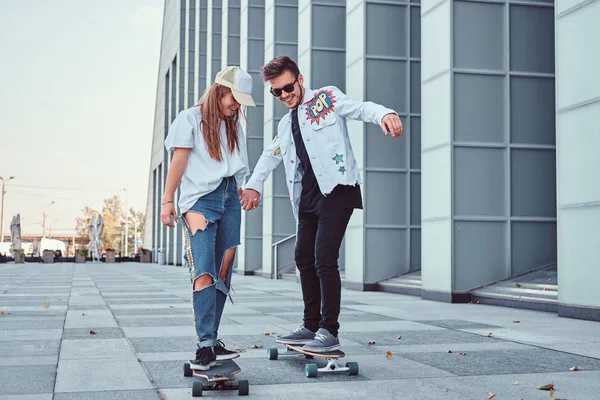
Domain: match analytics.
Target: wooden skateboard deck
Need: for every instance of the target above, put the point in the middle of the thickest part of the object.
(328, 354)
(224, 370)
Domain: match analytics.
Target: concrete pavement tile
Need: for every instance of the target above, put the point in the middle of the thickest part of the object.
(25, 348)
(505, 361)
(153, 311)
(83, 349)
(46, 396)
(104, 375)
(567, 385)
(164, 344)
(457, 324)
(30, 360)
(30, 334)
(410, 337)
(110, 395)
(92, 318)
(100, 333)
(29, 379)
(29, 324)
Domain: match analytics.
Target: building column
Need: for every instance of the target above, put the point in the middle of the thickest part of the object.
(230, 38)
(213, 42)
(488, 148)
(252, 51)
(281, 38)
(383, 66)
(578, 141)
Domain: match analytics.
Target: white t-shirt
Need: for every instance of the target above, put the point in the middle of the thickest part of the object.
(204, 174)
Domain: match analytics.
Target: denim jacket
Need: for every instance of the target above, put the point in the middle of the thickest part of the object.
(322, 118)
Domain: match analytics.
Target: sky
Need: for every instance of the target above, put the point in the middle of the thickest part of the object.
(77, 93)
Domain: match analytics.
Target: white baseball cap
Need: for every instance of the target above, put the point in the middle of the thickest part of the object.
(240, 83)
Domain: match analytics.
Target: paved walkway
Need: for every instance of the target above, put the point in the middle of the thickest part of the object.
(140, 314)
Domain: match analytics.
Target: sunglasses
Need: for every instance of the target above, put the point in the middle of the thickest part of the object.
(289, 88)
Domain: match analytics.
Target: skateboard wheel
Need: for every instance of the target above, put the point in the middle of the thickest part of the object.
(272, 353)
(243, 388)
(352, 368)
(311, 370)
(187, 370)
(196, 389)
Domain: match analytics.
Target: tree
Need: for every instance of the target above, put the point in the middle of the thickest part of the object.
(137, 222)
(112, 214)
(114, 220)
(83, 222)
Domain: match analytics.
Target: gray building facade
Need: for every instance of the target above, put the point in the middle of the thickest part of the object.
(490, 195)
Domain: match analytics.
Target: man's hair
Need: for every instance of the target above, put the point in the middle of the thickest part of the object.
(278, 66)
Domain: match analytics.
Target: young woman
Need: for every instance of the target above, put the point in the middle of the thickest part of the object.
(210, 162)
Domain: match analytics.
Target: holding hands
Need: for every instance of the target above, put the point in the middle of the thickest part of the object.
(249, 198)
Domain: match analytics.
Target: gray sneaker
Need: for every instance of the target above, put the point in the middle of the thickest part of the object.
(300, 335)
(324, 342)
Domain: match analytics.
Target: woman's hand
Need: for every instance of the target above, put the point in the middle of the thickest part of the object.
(166, 211)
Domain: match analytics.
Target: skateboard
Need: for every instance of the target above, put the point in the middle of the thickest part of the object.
(312, 370)
(217, 378)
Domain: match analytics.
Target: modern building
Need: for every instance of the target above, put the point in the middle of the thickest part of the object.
(492, 193)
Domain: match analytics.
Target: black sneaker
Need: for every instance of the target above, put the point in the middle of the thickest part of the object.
(205, 358)
(222, 353)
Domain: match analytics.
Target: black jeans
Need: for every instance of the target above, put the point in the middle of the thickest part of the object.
(318, 244)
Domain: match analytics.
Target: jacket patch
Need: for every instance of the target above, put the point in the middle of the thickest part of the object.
(321, 105)
(277, 151)
(339, 158)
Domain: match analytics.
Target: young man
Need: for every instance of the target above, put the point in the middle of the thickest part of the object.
(323, 180)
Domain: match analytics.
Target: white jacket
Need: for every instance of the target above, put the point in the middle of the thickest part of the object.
(322, 118)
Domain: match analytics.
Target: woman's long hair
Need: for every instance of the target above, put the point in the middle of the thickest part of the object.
(210, 108)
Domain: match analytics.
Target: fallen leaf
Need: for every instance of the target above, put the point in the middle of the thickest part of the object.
(370, 342)
(551, 393)
(255, 346)
(463, 354)
(92, 333)
(491, 395)
(515, 382)
(574, 369)
(270, 333)
(449, 351)
(488, 335)
(46, 304)
(549, 386)
(2, 312)
(517, 285)
(170, 306)
(544, 289)
(83, 313)
(516, 321)
(388, 354)
(240, 350)
(399, 337)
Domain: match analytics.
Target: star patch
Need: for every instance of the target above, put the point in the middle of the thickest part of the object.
(342, 170)
(320, 106)
(339, 158)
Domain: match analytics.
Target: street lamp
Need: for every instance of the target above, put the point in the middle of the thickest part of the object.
(126, 222)
(44, 220)
(2, 210)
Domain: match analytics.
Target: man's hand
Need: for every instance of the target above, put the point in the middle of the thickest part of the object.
(250, 199)
(393, 124)
(166, 211)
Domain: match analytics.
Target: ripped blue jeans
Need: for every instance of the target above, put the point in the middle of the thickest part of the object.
(204, 253)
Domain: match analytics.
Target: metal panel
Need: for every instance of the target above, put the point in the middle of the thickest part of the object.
(479, 253)
(391, 36)
(532, 38)
(479, 102)
(479, 182)
(379, 90)
(478, 35)
(532, 110)
(533, 192)
(386, 200)
(533, 245)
